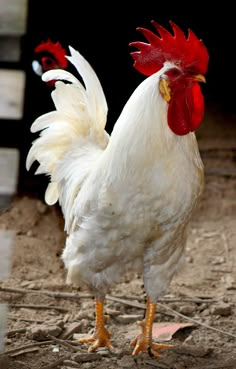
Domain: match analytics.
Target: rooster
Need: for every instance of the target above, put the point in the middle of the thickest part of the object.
(49, 55)
(126, 198)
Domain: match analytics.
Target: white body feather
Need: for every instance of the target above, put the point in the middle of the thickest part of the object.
(127, 198)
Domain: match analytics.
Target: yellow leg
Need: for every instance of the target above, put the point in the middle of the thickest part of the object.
(101, 336)
(143, 343)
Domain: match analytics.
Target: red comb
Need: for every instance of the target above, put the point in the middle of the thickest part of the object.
(55, 49)
(189, 53)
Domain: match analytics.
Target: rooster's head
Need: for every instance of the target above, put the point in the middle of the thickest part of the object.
(49, 56)
(185, 62)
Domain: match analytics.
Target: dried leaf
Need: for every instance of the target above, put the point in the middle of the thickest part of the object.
(165, 331)
(160, 331)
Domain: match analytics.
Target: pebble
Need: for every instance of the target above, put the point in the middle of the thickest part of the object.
(205, 312)
(187, 309)
(30, 233)
(230, 283)
(218, 260)
(179, 366)
(70, 329)
(86, 305)
(189, 259)
(125, 362)
(208, 322)
(78, 336)
(87, 366)
(103, 351)
(84, 314)
(203, 307)
(189, 340)
(66, 318)
(41, 207)
(40, 332)
(193, 350)
(73, 364)
(222, 309)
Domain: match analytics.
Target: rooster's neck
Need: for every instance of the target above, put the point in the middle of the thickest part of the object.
(142, 130)
(141, 136)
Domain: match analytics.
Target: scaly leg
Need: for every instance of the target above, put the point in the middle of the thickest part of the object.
(143, 343)
(101, 335)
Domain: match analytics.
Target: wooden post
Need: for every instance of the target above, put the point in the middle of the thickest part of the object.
(9, 162)
(13, 22)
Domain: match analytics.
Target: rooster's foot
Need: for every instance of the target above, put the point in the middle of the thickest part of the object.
(143, 344)
(99, 339)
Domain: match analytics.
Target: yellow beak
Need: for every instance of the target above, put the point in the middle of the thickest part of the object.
(199, 78)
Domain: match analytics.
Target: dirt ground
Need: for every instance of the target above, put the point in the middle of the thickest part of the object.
(45, 315)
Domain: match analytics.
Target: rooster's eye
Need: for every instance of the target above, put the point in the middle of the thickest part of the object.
(48, 62)
(173, 73)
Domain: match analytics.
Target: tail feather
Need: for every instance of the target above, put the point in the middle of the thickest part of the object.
(51, 146)
(45, 121)
(52, 193)
(59, 74)
(93, 87)
(71, 137)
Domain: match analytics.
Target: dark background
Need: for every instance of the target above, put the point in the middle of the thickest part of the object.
(103, 39)
(102, 35)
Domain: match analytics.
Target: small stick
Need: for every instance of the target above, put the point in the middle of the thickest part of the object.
(25, 347)
(68, 295)
(25, 351)
(14, 331)
(63, 310)
(63, 343)
(126, 302)
(26, 320)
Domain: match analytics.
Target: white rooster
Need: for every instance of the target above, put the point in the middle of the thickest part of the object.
(128, 197)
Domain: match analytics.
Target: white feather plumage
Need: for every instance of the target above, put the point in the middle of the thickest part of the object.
(117, 193)
(80, 112)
